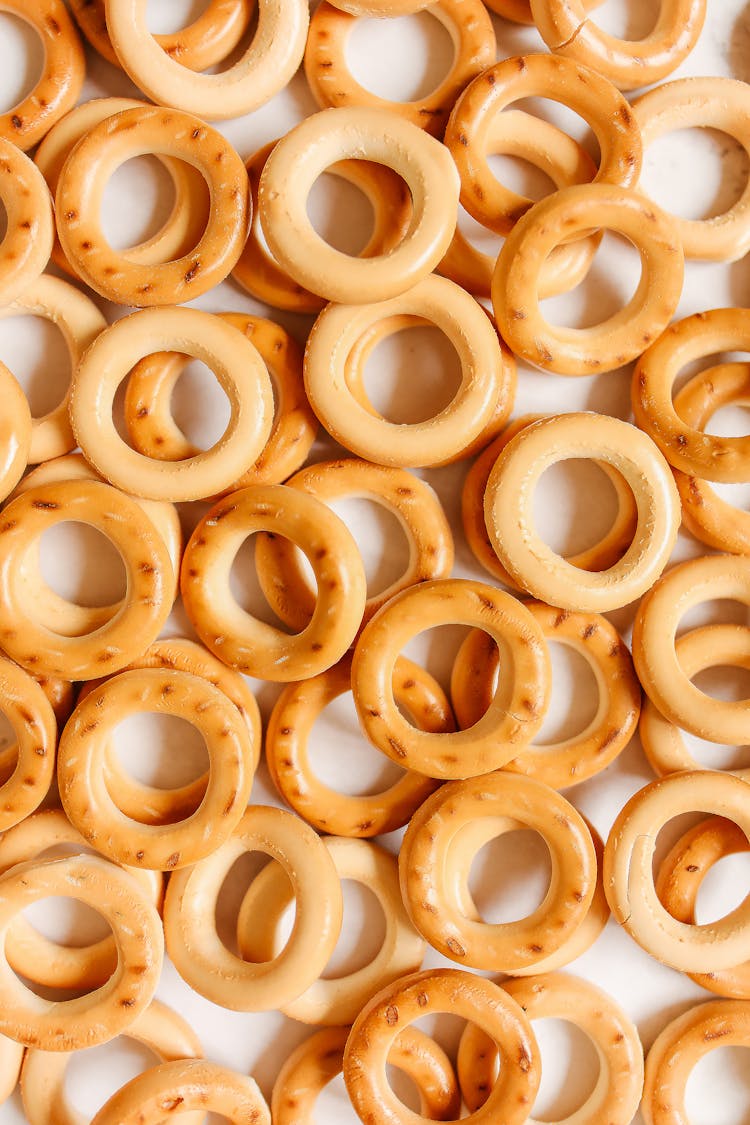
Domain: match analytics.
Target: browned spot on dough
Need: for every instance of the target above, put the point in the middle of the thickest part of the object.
(391, 1015)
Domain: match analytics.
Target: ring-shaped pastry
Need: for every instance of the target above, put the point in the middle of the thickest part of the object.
(244, 641)
(629, 876)
(60, 614)
(11, 1057)
(197, 951)
(429, 885)
(569, 761)
(205, 41)
(681, 873)
(80, 190)
(288, 759)
(617, 1094)
(441, 990)
(707, 456)
(319, 1060)
(194, 1086)
(61, 695)
(332, 83)
(565, 27)
(662, 676)
(712, 646)
(266, 66)
(27, 709)
(517, 709)
(470, 135)
(146, 605)
(29, 952)
(536, 567)
(410, 500)
(257, 270)
(681, 1045)
(79, 321)
(69, 1025)
(93, 808)
(337, 1001)
(43, 1079)
(371, 134)
(239, 370)
(15, 432)
(623, 336)
(486, 379)
(707, 103)
(607, 552)
(704, 513)
(61, 81)
(30, 231)
(187, 220)
(154, 432)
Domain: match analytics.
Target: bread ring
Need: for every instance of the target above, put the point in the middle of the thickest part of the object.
(43, 1079)
(154, 432)
(707, 456)
(62, 78)
(68, 617)
(319, 1060)
(257, 270)
(94, 809)
(25, 706)
(187, 221)
(238, 638)
(266, 66)
(617, 1094)
(441, 990)
(607, 552)
(487, 382)
(60, 695)
(326, 809)
(145, 607)
(27, 243)
(372, 134)
(629, 878)
(69, 1025)
(623, 336)
(682, 1044)
(239, 369)
(332, 83)
(663, 678)
(15, 432)
(572, 760)
(536, 567)
(709, 647)
(410, 500)
(192, 1085)
(29, 952)
(680, 876)
(197, 951)
(566, 29)
(430, 886)
(80, 322)
(81, 186)
(470, 131)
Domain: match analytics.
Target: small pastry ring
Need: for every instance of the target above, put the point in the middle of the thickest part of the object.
(27, 243)
(30, 714)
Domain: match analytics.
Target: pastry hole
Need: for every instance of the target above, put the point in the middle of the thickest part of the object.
(575, 505)
(380, 538)
(729, 421)
(247, 591)
(570, 1069)
(412, 375)
(510, 876)
(723, 889)
(562, 116)
(145, 179)
(712, 756)
(341, 213)
(670, 833)
(67, 921)
(724, 1069)
(520, 175)
(342, 758)
(164, 751)
(200, 406)
(673, 158)
(333, 1104)
(35, 351)
(404, 1087)
(725, 682)
(166, 16)
(94, 1075)
(418, 49)
(607, 289)
(575, 696)
(479, 236)
(233, 889)
(362, 931)
(714, 611)
(21, 60)
(436, 649)
(80, 564)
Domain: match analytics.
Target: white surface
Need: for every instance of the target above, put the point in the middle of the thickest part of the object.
(686, 171)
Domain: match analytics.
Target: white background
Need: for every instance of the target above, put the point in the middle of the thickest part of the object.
(695, 173)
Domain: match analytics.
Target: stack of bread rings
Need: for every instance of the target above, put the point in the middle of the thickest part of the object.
(239, 277)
